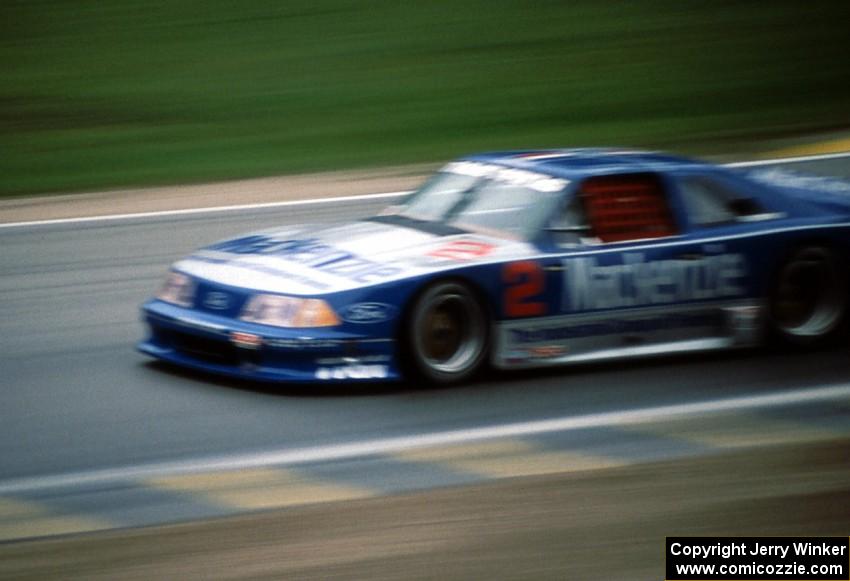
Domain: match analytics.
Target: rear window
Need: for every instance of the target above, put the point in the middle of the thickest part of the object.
(627, 207)
(709, 202)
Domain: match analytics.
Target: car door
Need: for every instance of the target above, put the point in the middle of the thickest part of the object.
(627, 276)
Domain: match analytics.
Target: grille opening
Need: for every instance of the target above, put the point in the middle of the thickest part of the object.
(210, 350)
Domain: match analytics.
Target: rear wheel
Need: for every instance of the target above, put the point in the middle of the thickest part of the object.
(447, 333)
(809, 300)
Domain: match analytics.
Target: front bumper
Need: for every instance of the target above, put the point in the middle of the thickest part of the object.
(218, 345)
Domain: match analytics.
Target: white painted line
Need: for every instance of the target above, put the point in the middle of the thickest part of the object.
(355, 450)
(218, 209)
(211, 210)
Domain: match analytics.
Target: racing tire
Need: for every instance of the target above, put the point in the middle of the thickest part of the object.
(447, 333)
(808, 303)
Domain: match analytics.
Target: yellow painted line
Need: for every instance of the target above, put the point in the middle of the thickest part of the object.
(817, 148)
(259, 488)
(21, 519)
(507, 458)
(738, 431)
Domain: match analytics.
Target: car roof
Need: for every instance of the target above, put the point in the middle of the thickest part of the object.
(576, 164)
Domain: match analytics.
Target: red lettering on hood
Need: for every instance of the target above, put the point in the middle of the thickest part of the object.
(462, 250)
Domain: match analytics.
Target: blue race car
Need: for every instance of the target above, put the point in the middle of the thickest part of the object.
(520, 259)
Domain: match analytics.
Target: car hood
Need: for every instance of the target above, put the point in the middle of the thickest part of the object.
(311, 260)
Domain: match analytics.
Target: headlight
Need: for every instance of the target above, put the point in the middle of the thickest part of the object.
(177, 289)
(282, 311)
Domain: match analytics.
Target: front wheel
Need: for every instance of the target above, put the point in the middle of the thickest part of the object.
(447, 333)
(808, 304)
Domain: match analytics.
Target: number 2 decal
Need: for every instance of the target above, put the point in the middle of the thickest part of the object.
(524, 280)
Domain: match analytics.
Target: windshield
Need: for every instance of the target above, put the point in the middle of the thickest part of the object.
(478, 196)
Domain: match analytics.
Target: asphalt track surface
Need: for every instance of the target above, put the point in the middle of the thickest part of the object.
(76, 397)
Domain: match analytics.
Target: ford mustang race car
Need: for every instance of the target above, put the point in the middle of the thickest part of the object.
(520, 259)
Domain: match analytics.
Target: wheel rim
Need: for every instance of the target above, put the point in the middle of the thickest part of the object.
(450, 331)
(809, 299)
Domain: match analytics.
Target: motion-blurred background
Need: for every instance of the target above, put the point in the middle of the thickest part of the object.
(95, 94)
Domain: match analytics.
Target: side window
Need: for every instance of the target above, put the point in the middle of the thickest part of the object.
(708, 202)
(627, 207)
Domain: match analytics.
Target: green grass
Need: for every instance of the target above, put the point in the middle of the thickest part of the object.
(104, 93)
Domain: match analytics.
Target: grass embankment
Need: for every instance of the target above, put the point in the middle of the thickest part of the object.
(102, 94)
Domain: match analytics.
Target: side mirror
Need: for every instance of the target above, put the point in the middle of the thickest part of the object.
(743, 207)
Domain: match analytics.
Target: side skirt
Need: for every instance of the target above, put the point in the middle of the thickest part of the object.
(625, 334)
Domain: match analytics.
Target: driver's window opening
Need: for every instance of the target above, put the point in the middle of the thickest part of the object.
(621, 208)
